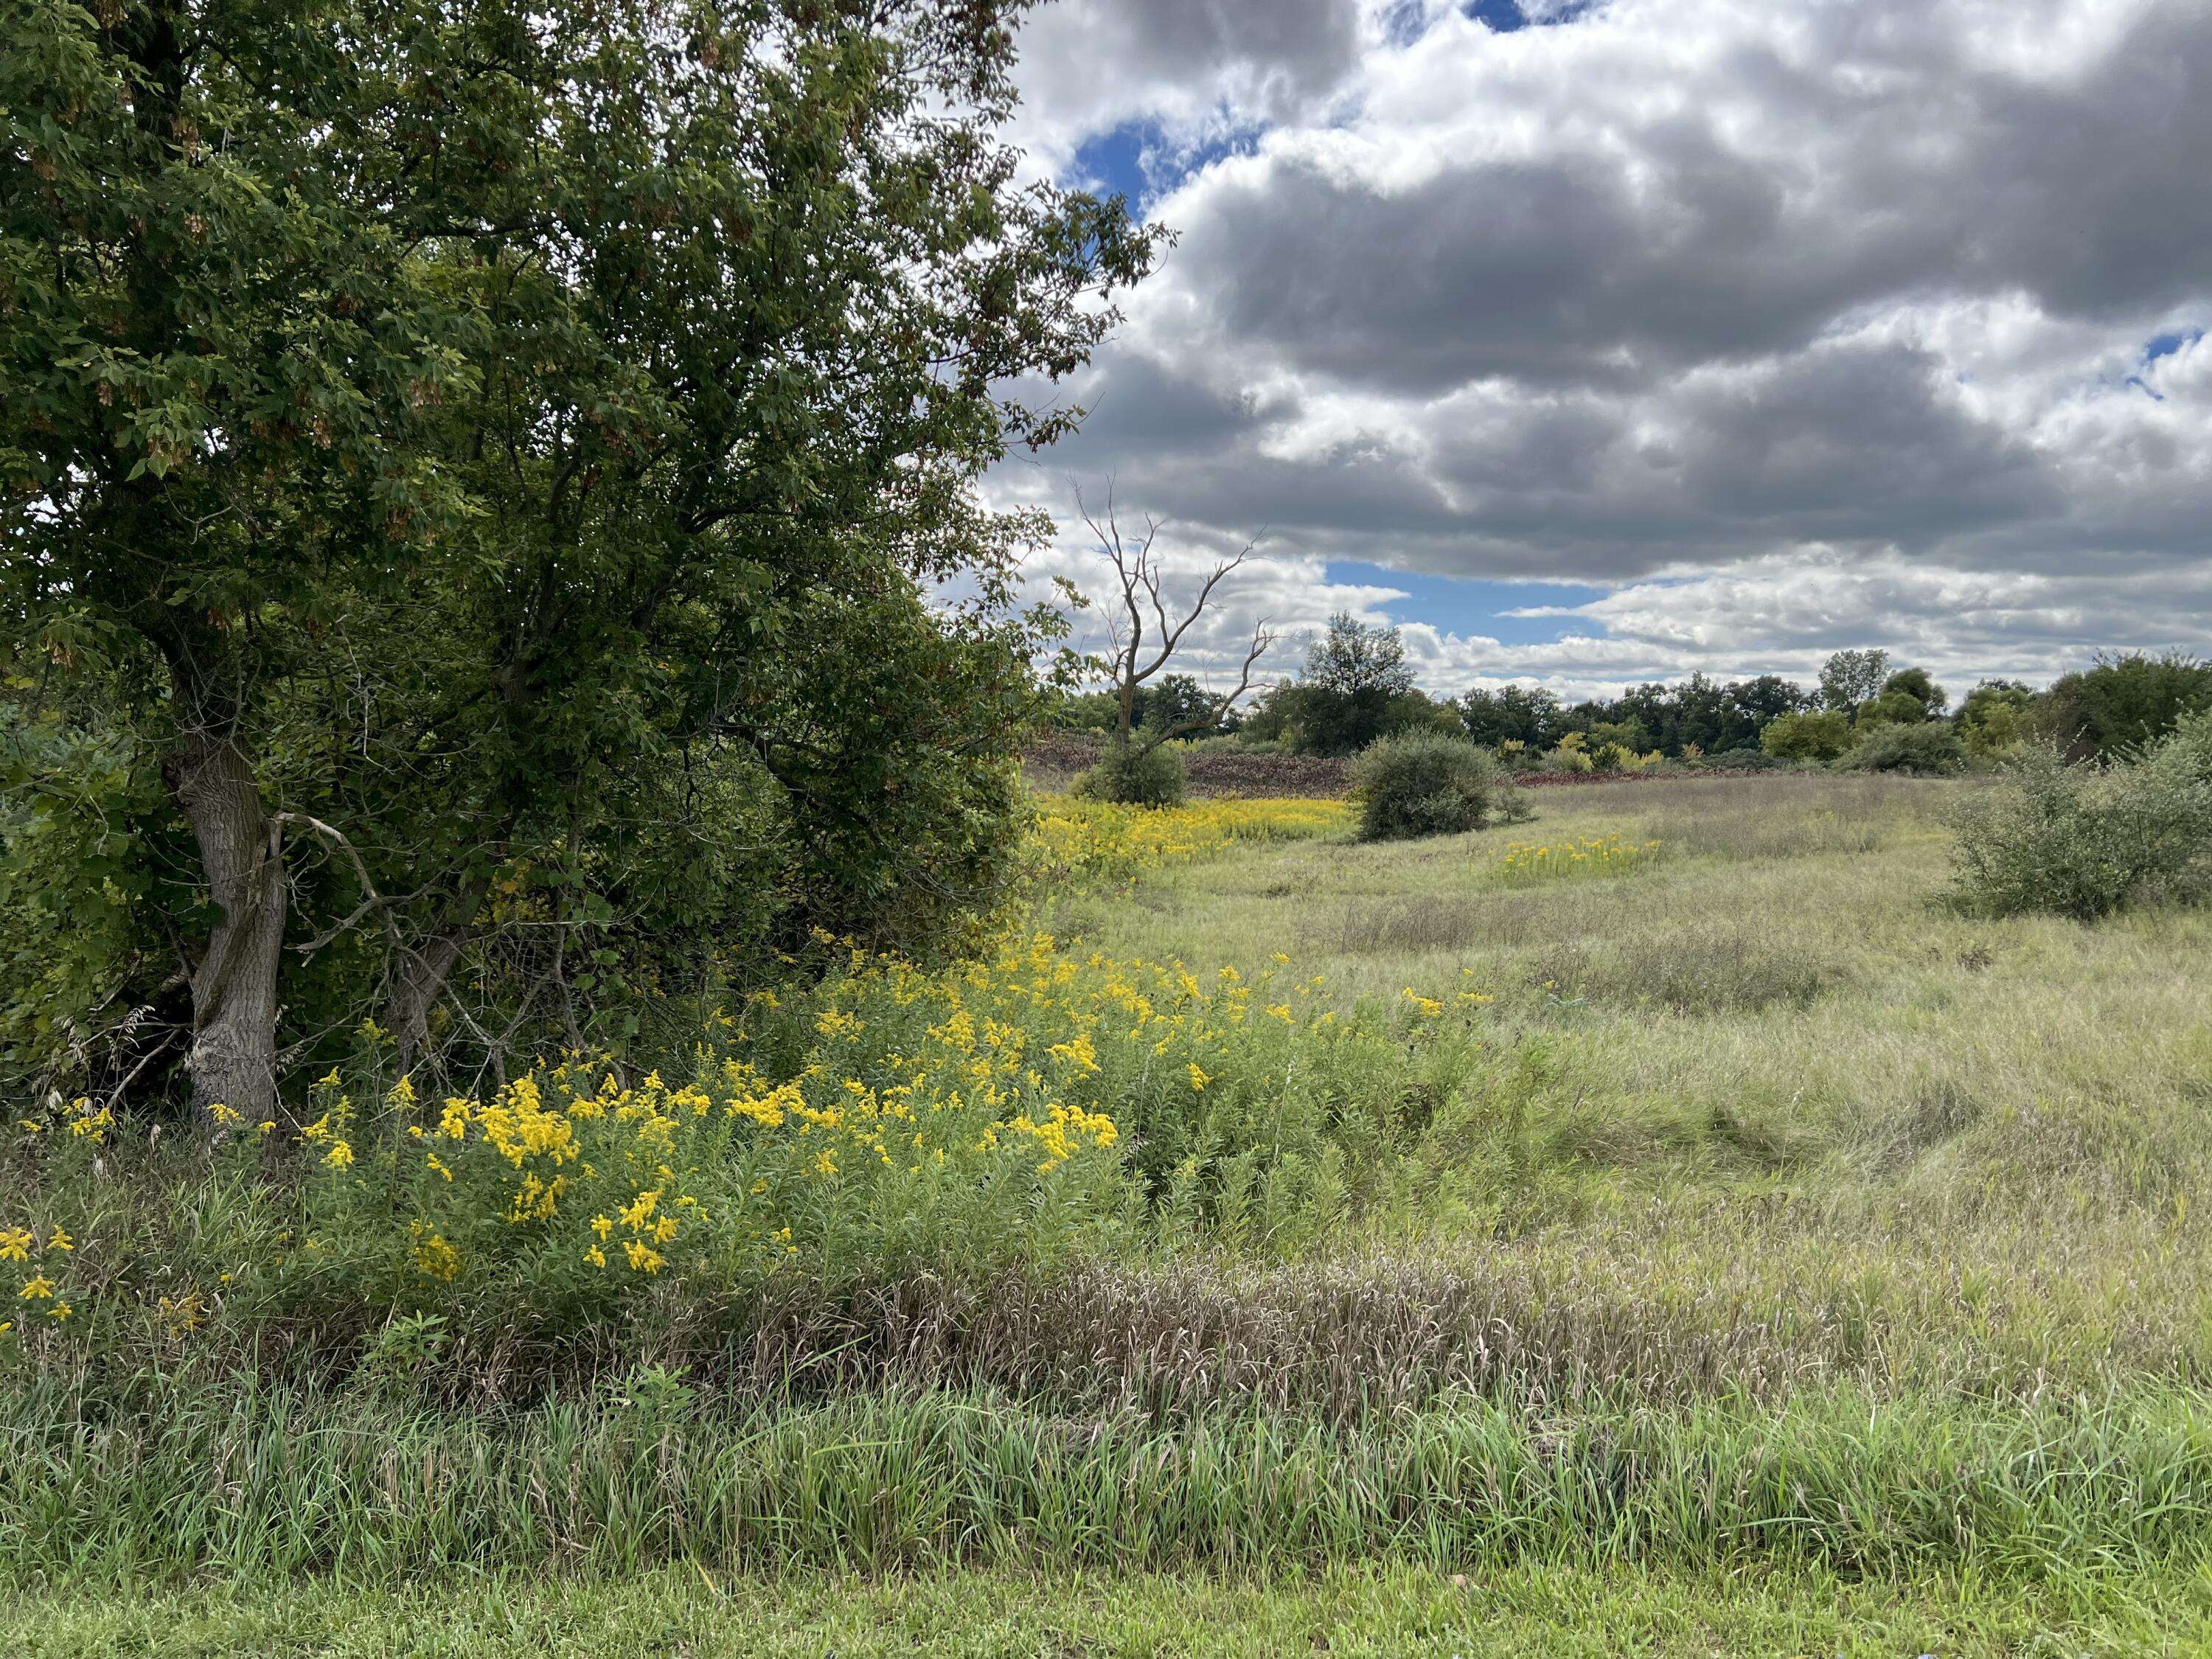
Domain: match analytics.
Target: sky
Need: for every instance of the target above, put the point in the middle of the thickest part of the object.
(1593, 342)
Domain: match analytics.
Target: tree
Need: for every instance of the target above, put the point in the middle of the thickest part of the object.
(1766, 698)
(497, 458)
(2124, 702)
(1518, 713)
(1357, 687)
(1144, 636)
(1813, 735)
(1920, 686)
(1849, 677)
(1994, 717)
(1178, 703)
(218, 346)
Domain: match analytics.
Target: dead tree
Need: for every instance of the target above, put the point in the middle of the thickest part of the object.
(1141, 637)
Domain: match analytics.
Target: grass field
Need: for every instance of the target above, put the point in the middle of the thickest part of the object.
(1752, 1256)
(1771, 1074)
(1376, 1612)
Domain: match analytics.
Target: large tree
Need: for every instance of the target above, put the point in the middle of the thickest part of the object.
(217, 339)
(514, 453)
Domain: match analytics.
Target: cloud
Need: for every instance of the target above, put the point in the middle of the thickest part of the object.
(1186, 67)
(1838, 312)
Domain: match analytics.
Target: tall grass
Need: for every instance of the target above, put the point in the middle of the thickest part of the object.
(240, 1484)
(1750, 1207)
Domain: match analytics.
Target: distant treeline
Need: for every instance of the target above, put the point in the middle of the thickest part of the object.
(1356, 687)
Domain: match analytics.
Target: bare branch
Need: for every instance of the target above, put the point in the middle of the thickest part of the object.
(373, 900)
(1138, 575)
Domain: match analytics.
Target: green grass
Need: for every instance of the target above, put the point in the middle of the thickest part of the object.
(685, 1610)
(251, 1483)
(1772, 1072)
(1775, 1259)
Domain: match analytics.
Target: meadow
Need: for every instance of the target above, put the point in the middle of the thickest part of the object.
(1665, 1223)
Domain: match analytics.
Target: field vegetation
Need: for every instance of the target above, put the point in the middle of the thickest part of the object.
(1729, 1206)
(566, 1090)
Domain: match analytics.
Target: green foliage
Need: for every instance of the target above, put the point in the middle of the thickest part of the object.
(2082, 841)
(1889, 708)
(1356, 688)
(2124, 702)
(1137, 775)
(1849, 677)
(1424, 784)
(1995, 717)
(1174, 702)
(1927, 748)
(1628, 736)
(1511, 714)
(1812, 735)
(1920, 686)
(519, 569)
(84, 828)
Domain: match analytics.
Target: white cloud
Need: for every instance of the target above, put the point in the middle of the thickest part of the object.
(1793, 325)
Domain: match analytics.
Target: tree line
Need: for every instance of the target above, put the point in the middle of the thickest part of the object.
(1356, 687)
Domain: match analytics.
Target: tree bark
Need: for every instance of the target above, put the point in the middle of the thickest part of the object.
(420, 981)
(234, 1054)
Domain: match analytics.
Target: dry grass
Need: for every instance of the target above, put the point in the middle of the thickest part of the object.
(1765, 1110)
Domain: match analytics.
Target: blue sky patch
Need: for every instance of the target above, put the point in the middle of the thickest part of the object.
(2165, 345)
(1135, 160)
(1472, 607)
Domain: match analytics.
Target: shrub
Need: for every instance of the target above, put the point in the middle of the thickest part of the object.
(1619, 758)
(2082, 841)
(1820, 735)
(1130, 776)
(1024, 1106)
(1995, 717)
(1572, 755)
(1424, 783)
(2124, 701)
(1927, 749)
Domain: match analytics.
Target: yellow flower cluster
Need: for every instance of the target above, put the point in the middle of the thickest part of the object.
(1523, 861)
(19, 1244)
(1094, 840)
(79, 1118)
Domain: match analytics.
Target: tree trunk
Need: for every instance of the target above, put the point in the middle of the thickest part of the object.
(421, 982)
(234, 1054)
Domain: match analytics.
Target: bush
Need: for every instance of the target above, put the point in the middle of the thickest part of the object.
(1927, 749)
(2124, 703)
(1130, 776)
(1424, 783)
(2082, 841)
(1025, 1106)
(1813, 736)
